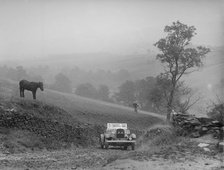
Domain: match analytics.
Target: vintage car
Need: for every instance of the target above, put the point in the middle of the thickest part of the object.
(117, 134)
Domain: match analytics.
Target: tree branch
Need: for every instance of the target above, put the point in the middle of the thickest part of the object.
(189, 106)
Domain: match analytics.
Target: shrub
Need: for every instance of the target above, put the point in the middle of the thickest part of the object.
(217, 112)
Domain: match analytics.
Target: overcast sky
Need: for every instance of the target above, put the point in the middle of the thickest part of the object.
(43, 27)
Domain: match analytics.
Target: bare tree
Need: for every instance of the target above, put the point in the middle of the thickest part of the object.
(184, 97)
(189, 96)
(177, 55)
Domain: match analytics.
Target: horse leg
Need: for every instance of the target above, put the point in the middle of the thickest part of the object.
(23, 93)
(20, 92)
(34, 94)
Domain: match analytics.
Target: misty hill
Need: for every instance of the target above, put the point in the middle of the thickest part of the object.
(142, 65)
(132, 62)
(209, 77)
(138, 66)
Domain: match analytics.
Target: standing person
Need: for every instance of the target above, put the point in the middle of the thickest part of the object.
(136, 106)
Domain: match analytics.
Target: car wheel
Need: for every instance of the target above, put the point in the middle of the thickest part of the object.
(102, 141)
(106, 145)
(133, 146)
(102, 145)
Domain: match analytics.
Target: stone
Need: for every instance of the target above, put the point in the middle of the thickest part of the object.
(194, 122)
(204, 129)
(206, 149)
(221, 146)
(197, 127)
(195, 135)
(203, 145)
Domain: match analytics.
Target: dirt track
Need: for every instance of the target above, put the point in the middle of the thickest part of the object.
(64, 159)
(199, 163)
(111, 159)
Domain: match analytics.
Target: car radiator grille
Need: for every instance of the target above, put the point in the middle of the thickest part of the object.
(120, 133)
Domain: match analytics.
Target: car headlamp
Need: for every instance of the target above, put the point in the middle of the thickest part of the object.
(133, 136)
(107, 135)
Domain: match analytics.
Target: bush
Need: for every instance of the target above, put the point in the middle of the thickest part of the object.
(158, 135)
(217, 112)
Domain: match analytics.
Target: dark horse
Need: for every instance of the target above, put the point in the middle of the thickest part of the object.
(31, 86)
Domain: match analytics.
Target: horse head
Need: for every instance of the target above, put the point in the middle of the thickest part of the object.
(41, 86)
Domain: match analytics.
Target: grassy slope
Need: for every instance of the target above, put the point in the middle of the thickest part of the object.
(99, 112)
(85, 110)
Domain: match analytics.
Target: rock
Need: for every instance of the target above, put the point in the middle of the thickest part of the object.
(204, 129)
(221, 146)
(195, 122)
(195, 135)
(217, 123)
(197, 128)
(206, 149)
(203, 145)
(215, 128)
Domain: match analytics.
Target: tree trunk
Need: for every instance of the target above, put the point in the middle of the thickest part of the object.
(170, 102)
(169, 108)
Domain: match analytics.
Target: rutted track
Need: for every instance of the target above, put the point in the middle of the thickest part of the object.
(83, 158)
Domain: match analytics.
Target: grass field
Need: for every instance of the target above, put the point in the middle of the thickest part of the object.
(83, 109)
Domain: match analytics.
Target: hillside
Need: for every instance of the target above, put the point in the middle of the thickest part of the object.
(60, 131)
(28, 125)
(83, 109)
(57, 120)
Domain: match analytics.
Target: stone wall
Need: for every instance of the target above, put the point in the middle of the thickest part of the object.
(192, 126)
